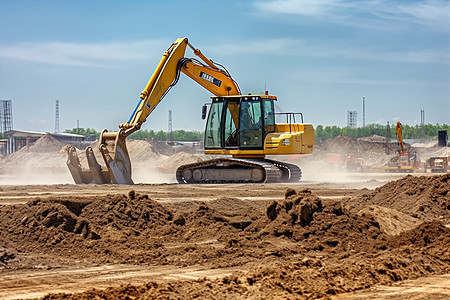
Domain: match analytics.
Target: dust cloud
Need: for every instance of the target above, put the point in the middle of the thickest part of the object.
(156, 162)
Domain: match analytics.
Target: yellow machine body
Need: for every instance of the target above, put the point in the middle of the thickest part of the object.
(267, 138)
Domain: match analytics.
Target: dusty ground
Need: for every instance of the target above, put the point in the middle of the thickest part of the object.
(303, 240)
(335, 234)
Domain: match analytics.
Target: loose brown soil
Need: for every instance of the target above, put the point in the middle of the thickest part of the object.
(332, 234)
(270, 241)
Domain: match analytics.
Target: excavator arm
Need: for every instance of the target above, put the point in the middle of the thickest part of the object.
(400, 137)
(112, 145)
(209, 76)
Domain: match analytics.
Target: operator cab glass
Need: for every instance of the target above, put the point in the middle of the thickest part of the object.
(239, 122)
(250, 124)
(213, 126)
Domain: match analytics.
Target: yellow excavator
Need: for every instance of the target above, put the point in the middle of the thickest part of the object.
(242, 126)
(405, 162)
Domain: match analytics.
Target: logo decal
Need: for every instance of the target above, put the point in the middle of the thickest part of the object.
(211, 79)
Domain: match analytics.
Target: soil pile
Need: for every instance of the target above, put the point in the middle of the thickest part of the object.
(41, 163)
(118, 228)
(345, 145)
(174, 161)
(424, 197)
(299, 247)
(331, 154)
(373, 138)
(165, 149)
(46, 143)
(391, 221)
(319, 224)
(142, 150)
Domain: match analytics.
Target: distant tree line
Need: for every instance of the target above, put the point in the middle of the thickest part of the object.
(429, 131)
(83, 131)
(176, 135)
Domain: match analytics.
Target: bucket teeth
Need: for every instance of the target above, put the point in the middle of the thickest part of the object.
(115, 154)
(99, 176)
(95, 173)
(73, 163)
(118, 167)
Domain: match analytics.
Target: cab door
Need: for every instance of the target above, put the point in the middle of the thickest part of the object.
(213, 130)
(251, 124)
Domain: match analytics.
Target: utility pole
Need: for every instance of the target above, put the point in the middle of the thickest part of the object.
(422, 124)
(364, 111)
(170, 126)
(388, 138)
(57, 116)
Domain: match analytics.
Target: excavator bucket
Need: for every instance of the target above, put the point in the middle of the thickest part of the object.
(115, 154)
(113, 148)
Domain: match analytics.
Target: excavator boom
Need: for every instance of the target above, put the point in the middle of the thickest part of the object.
(112, 145)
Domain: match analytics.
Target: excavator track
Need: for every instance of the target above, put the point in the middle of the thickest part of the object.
(236, 170)
(291, 172)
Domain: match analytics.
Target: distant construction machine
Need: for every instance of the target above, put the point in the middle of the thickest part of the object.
(438, 164)
(239, 125)
(404, 162)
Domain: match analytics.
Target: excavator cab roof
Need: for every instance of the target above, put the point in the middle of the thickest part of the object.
(246, 97)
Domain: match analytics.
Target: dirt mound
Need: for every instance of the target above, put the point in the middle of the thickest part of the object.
(340, 144)
(117, 228)
(345, 145)
(320, 224)
(424, 197)
(174, 161)
(392, 222)
(47, 143)
(372, 138)
(38, 162)
(432, 237)
(302, 247)
(331, 155)
(142, 150)
(164, 148)
(84, 228)
(161, 147)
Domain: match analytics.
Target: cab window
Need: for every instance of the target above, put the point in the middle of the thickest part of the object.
(250, 124)
(212, 130)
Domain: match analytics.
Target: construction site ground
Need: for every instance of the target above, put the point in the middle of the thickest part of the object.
(335, 234)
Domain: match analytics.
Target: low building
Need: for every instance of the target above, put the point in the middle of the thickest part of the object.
(17, 139)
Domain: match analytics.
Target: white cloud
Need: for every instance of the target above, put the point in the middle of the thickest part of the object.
(109, 54)
(433, 13)
(84, 54)
(336, 49)
(298, 7)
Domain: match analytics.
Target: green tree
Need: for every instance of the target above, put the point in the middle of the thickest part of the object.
(83, 131)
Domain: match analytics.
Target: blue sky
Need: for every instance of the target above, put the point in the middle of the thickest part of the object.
(318, 57)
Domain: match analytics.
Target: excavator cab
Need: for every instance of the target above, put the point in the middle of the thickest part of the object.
(239, 122)
(245, 128)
